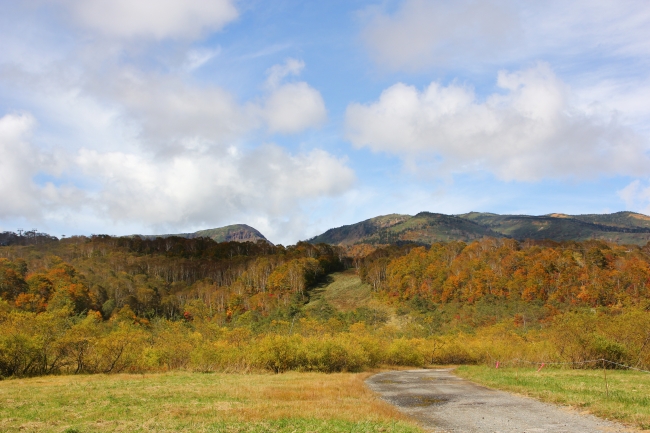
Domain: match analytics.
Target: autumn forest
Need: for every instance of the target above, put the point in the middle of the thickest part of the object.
(105, 304)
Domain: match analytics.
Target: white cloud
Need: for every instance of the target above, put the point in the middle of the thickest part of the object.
(170, 112)
(157, 19)
(277, 73)
(636, 196)
(424, 33)
(528, 132)
(200, 186)
(291, 107)
(157, 152)
(203, 188)
(294, 107)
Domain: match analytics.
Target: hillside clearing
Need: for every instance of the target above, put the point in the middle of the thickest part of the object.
(343, 290)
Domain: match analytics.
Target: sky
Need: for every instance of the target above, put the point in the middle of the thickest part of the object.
(167, 116)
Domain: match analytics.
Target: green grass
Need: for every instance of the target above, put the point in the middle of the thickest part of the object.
(629, 391)
(193, 402)
(344, 291)
(288, 425)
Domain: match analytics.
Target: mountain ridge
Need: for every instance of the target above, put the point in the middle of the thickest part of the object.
(623, 227)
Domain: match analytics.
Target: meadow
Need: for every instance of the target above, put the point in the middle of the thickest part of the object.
(196, 402)
(626, 397)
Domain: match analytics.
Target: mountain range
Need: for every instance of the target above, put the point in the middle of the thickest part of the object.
(426, 227)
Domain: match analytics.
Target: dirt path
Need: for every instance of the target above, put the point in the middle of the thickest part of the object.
(442, 402)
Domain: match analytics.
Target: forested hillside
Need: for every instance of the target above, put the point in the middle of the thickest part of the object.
(592, 273)
(105, 304)
(156, 277)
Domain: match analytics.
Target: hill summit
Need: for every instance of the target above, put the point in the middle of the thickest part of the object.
(231, 233)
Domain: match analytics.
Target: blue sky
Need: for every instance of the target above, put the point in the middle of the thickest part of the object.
(162, 116)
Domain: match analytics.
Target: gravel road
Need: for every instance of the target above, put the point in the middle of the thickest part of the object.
(442, 402)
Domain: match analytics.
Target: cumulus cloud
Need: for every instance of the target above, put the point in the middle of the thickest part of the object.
(291, 107)
(201, 188)
(528, 131)
(169, 112)
(160, 153)
(197, 187)
(157, 19)
(185, 155)
(423, 33)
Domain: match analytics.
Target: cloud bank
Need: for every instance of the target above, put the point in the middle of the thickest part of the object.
(191, 188)
(196, 189)
(157, 151)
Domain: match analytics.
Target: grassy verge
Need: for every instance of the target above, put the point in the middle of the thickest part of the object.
(193, 402)
(629, 392)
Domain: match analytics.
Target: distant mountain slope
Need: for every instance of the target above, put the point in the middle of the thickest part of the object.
(426, 227)
(621, 227)
(618, 219)
(423, 228)
(235, 232)
(357, 233)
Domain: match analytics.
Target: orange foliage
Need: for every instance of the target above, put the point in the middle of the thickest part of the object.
(589, 273)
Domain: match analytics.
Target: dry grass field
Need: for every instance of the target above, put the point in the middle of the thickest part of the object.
(194, 402)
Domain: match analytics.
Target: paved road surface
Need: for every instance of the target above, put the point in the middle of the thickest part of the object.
(442, 402)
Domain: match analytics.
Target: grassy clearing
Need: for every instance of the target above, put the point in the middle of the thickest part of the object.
(629, 391)
(344, 291)
(194, 402)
